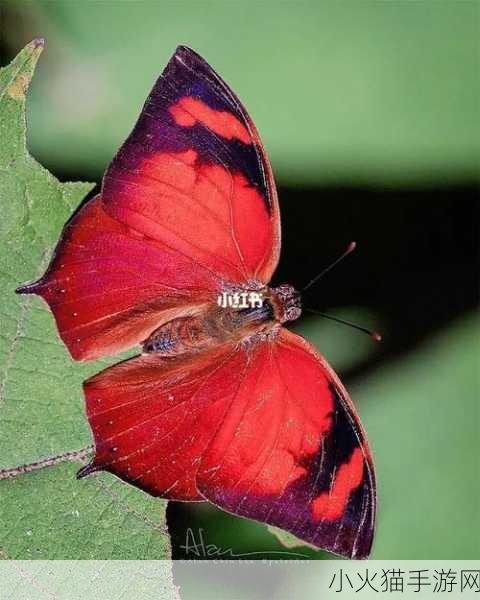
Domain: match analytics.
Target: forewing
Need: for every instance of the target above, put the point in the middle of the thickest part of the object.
(293, 454)
(193, 174)
(188, 207)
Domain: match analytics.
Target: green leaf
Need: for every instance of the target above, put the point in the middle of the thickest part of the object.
(47, 513)
(50, 515)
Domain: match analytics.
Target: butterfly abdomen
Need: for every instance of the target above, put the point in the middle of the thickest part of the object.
(211, 326)
(182, 335)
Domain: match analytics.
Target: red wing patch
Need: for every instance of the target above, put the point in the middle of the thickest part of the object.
(152, 419)
(199, 210)
(189, 111)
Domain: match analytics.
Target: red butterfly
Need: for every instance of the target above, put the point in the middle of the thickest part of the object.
(224, 404)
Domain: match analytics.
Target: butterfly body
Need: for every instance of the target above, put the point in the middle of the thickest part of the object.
(238, 319)
(175, 256)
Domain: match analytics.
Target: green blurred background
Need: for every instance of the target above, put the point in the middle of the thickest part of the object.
(369, 112)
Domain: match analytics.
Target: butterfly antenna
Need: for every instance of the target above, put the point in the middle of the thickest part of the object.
(373, 334)
(350, 248)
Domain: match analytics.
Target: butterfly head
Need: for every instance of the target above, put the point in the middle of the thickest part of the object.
(287, 303)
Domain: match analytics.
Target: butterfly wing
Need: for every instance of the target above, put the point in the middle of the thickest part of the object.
(188, 207)
(194, 173)
(295, 455)
(153, 418)
(264, 430)
(108, 287)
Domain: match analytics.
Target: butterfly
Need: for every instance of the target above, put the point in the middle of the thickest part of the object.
(224, 403)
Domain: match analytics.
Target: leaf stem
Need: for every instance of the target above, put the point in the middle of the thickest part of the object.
(46, 462)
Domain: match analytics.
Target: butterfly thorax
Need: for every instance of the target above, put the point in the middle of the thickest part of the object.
(238, 315)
